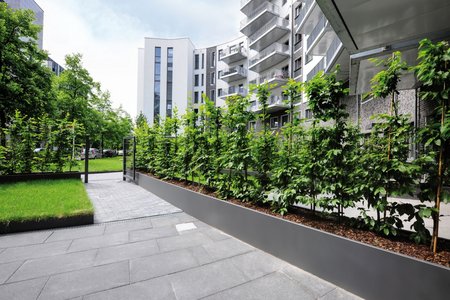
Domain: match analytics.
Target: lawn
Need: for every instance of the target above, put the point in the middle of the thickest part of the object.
(42, 199)
(101, 165)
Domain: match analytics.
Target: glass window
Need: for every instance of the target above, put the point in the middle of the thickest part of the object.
(203, 79)
(274, 122)
(284, 120)
(169, 84)
(213, 95)
(203, 60)
(197, 62)
(213, 59)
(157, 84)
(213, 77)
(195, 97)
(196, 80)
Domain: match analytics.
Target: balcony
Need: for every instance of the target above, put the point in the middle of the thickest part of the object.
(332, 53)
(320, 38)
(319, 67)
(271, 56)
(274, 78)
(233, 91)
(271, 32)
(298, 74)
(248, 6)
(259, 17)
(233, 54)
(233, 74)
(308, 16)
(276, 103)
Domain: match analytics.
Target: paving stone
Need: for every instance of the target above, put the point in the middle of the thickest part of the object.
(257, 264)
(126, 251)
(167, 220)
(22, 239)
(226, 248)
(318, 286)
(272, 286)
(123, 226)
(152, 233)
(338, 293)
(158, 288)
(99, 241)
(86, 281)
(183, 241)
(161, 264)
(6, 270)
(76, 233)
(184, 217)
(206, 280)
(215, 234)
(22, 290)
(54, 265)
(34, 251)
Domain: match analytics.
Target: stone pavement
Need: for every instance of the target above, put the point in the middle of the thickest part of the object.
(163, 257)
(115, 199)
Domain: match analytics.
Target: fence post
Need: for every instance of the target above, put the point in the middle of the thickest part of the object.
(124, 159)
(86, 160)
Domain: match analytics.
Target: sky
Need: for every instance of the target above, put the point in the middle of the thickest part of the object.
(108, 33)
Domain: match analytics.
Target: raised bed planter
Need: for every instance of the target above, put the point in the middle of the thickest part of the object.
(15, 226)
(38, 176)
(362, 269)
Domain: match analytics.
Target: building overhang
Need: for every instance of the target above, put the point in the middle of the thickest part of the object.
(376, 28)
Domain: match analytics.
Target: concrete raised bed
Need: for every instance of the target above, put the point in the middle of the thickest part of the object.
(362, 269)
(39, 176)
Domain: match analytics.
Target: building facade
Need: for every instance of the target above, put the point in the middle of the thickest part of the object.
(284, 39)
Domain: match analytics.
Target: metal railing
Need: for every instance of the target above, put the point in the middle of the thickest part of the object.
(275, 21)
(232, 50)
(234, 70)
(274, 74)
(277, 47)
(321, 24)
(264, 6)
(232, 90)
(305, 8)
(320, 66)
(332, 50)
(277, 100)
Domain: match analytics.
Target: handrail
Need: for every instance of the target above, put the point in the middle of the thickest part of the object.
(331, 52)
(273, 22)
(233, 50)
(321, 24)
(269, 50)
(266, 5)
(232, 70)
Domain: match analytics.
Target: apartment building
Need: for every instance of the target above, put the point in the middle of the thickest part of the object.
(284, 39)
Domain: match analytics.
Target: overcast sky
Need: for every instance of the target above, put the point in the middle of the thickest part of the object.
(109, 32)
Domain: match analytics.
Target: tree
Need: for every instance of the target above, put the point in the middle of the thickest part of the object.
(434, 74)
(25, 83)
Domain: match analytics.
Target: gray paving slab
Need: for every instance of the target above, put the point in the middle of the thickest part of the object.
(76, 233)
(22, 290)
(116, 227)
(272, 286)
(22, 239)
(6, 270)
(115, 199)
(126, 252)
(34, 251)
(53, 265)
(99, 241)
(86, 281)
(191, 239)
(250, 264)
(152, 233)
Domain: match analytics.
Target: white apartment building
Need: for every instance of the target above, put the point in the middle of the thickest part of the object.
(284, 39)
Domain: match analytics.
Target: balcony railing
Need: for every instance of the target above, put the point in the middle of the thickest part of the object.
(237, 90)
(321, 24)
(276, 21)
(274, 74)
(270, 7)
(232, 50)
(331, 52)
(277, 47)
(277, 100)
(298, 72)
(320, 66)
(234, 70)
(298, 46)
(305, 7)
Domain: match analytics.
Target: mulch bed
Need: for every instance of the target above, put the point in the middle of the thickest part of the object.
(400, 244)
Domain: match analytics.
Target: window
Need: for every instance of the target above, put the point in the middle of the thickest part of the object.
(308, 114)
(169, 82)
(203, 79)
(196, 79)
(252, 125)
(197, 62)
(213, 77)
(203, 60)
(298, 38)
(213, 59)
(220, 54)
(202, 97)
(241, 46)
(297, 10)
(298, 64)
(195, 97)
(219, 92)
(157, 84)
(212, 95)
(284, 120)
(274, 123)
(308, 58)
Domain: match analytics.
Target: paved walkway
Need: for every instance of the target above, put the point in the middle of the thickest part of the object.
(172, 256)
(115, 199)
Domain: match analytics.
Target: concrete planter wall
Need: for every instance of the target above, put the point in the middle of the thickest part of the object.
(362, 269)
(38, 176)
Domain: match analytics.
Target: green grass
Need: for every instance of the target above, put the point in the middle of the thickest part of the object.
(43, 199)
(100, 165)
